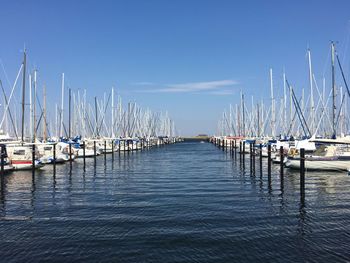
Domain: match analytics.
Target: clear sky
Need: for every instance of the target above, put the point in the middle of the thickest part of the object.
(191, 58)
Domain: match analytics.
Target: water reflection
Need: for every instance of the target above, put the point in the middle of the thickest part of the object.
(188, 199)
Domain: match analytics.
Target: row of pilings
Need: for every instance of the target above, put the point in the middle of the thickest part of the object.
(238, 148)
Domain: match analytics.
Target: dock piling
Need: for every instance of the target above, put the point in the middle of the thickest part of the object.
(70, 153)
(281, 160)
(269, 159)
(95, 150)
(2, 161)
(112, 142)
(33, 158)
(302, 171)
(105, 148)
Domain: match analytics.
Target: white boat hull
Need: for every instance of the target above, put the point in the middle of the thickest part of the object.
(322, 165)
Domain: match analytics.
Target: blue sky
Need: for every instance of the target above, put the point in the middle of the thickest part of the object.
(190, 58)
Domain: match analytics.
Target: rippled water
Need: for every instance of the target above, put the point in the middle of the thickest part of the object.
(188, 202)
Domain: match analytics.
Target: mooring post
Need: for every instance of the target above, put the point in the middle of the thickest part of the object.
(84, 153)
(253, 155)
(250, 157)
(2, 160)
(281, 160)
(105, 148)
(240, 150)
(95, 149)
(33, 158)
(269, 159)
(235, 146)
(112, 149)
(223, 144)
(54, 154)
(302, 171)
(260, 155)
(70, 153)
(251, 150)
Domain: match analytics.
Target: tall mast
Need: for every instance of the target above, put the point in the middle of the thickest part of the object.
(243, 115)
(238, 119)
(230, 121)
(44, 112)
(258, 119)
(312, 105)
(96, 116)
(56, 114)
(62, 105)
(285, 103)
(34, 107)
(30, 108)
(23, 91)
(69, 113)
(112, 112)
(273, 117)
(333, 94)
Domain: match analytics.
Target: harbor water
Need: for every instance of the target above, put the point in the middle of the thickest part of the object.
(187, 202)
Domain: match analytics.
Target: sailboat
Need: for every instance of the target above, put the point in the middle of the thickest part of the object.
(334, 154)
(21, 155)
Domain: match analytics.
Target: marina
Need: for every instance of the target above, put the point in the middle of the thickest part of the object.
(184, 202)
(174, 131)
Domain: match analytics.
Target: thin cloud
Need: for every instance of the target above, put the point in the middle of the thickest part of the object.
(196, 86)
(143, 83)
(223, 92)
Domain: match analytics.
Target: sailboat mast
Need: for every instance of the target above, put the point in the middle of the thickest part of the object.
(273, 117)
(30, 107)
(333, 93)
(312, 105)
(62, 105)
(243, 116)
(44, 112)
(96, 116)
(34, 107)
(112, 113)
(69, 114)
(285, 103)
(23, 92)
